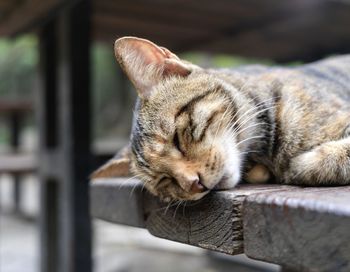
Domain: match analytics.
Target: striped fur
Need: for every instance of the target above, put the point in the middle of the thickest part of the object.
(287, 124)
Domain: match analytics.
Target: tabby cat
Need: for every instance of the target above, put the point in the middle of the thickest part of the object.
(197, 130)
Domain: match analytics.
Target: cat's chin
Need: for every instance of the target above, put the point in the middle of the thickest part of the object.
(227, 182)
(199, 196)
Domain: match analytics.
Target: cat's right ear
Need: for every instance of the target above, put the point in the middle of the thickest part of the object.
(147, 64)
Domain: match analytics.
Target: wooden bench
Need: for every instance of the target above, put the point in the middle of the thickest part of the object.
(302, 229)
(16, 163)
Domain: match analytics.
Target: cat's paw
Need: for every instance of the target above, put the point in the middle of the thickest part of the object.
(259, 174)
(302, 168)
(321, 165)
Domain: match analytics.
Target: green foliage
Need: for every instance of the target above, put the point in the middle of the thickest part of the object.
(104, 74)
(18, 62)
(4, 133)
(18, 70)
(220, 60)
(112, 98)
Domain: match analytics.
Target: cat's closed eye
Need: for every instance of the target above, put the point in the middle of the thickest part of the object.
(163, 181)
(176, 142)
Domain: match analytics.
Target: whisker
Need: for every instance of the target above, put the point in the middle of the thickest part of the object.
(248, 127)
(167, 208)
(177, 208)
(250, 117)
(125, 181)
(248, 139)
(240, 128)
(230, 125)
(255, 107)
(143, 186)
(184, 208)
(133, 189)
(220, 122)
(194, 203)
(248, 152)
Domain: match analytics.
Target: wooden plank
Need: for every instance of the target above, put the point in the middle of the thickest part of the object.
(18, 163)
(205, 7)
(212, 223)
(145, 27)
(27, 15)
(292, 38)
(157, 20)
(305, 229)
(170, 13)
(118, 201)
(10, 106)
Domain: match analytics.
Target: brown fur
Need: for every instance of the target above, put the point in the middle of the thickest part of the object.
(196, 130)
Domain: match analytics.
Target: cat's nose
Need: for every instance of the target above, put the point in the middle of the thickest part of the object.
(197, 186)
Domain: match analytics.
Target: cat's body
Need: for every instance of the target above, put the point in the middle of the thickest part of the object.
(310, 105)
(196, 130)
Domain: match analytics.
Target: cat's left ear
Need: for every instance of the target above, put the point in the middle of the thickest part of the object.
(147, 64)
(119, 166)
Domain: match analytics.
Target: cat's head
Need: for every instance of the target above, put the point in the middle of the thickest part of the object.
(182, 144)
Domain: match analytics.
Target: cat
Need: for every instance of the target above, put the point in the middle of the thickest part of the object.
(196, 130)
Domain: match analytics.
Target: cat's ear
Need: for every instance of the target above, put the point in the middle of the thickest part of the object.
(147, 64)
(116, 167)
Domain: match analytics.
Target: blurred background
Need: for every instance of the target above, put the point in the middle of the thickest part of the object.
(60, 86)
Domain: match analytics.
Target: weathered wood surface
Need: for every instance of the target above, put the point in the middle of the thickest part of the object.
(273, 29)
(212, 223)
(18, 163)
(113, 202)
(306, 229)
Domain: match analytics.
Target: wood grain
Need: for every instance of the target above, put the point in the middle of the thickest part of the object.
(303, 229)
(117, 200)
(212, 223)
(306, 229)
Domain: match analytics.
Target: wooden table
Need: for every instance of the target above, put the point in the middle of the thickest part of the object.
(302, 229)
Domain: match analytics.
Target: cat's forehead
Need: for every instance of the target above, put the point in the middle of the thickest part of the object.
(159, 110)
(157, 120)
(174, 92)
